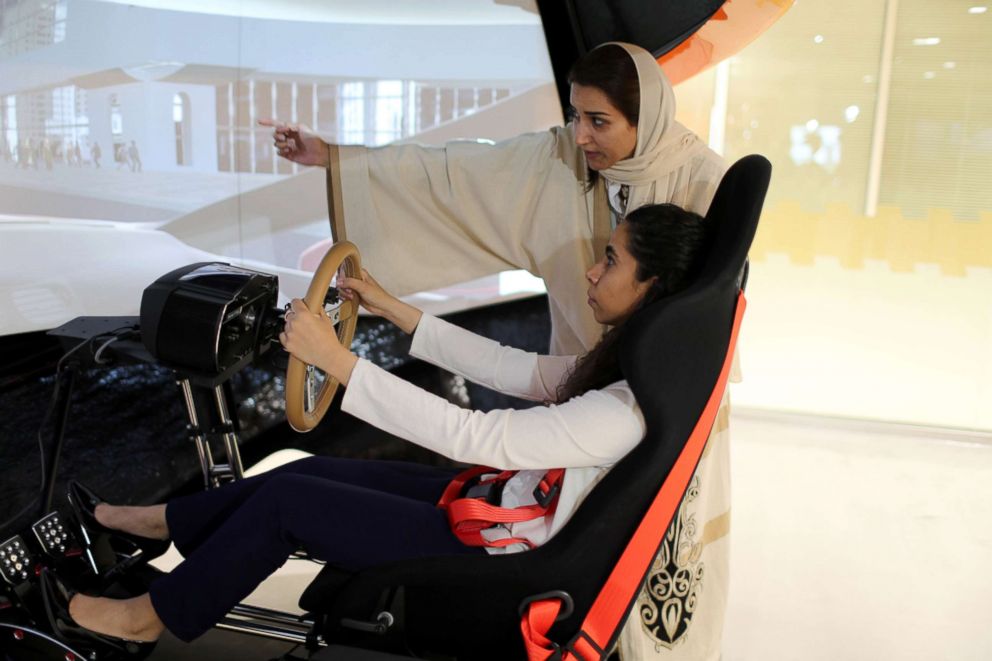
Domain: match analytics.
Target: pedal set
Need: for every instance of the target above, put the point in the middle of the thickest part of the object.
(55, 538)
(17, 564)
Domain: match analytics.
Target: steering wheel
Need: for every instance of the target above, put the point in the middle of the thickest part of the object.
(308, 390)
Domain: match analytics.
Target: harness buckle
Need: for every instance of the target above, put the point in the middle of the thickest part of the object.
(545, 498)
(491, 492)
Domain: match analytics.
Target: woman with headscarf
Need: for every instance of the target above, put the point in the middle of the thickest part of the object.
(546, 202)
(433, 216)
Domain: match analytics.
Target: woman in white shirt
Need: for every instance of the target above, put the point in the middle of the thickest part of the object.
(356, 514)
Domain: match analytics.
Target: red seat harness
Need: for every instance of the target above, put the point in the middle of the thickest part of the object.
(470, 516)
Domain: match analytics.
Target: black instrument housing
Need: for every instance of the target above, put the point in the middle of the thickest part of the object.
(208, 317)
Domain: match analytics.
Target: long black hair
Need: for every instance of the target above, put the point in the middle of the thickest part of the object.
(669, 244)
(611, 70)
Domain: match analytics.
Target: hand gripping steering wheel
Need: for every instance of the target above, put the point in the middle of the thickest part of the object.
(308, 390)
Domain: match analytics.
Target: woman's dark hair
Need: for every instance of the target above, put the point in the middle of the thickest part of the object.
(611, 70)
(669, 245)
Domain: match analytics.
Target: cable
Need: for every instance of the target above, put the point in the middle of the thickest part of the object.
(61, 364)
(41, 450)
(115, 334)
(118, 334)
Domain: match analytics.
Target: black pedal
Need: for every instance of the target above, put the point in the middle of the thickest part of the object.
(56, 539)
(16, 562)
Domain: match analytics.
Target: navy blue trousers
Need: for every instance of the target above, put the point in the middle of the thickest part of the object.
(350, 513)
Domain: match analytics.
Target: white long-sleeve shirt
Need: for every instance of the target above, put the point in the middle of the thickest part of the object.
(585, 435)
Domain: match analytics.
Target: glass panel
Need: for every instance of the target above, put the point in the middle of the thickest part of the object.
(938, 139)
(389, 111)
(327, 110)
(210, 185)
(872, 269)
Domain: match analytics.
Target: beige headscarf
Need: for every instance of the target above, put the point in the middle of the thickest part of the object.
(663, 145)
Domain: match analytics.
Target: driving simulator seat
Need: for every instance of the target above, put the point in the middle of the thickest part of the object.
(675, 355)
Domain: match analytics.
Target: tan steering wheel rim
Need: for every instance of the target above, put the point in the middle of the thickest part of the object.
(304, 408)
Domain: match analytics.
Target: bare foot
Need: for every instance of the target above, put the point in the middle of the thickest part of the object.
(141, 521)
(130, 619)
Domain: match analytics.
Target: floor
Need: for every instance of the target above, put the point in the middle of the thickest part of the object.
(871, 343)
(851, 541)
(858, 542)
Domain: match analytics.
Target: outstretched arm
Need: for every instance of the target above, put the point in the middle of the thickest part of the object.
(595, 429)
(478, 359)
(481, 360)
(429, 217)
(311, 338)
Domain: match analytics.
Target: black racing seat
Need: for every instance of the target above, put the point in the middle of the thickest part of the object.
(467, 607)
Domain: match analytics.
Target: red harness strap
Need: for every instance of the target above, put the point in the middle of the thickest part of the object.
(614, 600)
(470, 516)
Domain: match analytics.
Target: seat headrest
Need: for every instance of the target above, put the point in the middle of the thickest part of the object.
(733, 215)
(681, 338)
